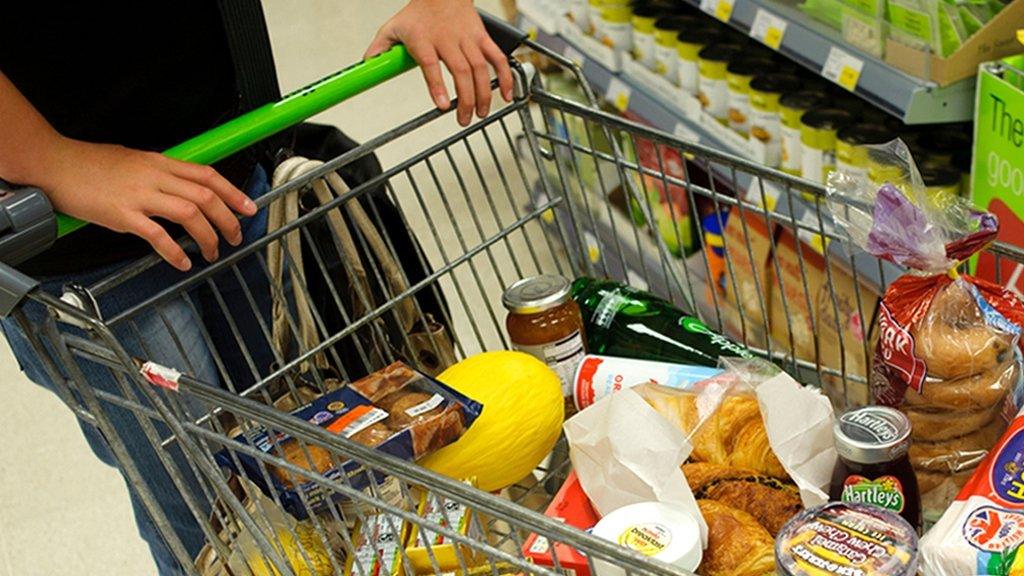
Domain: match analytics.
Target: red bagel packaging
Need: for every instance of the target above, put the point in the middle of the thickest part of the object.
(948, 351)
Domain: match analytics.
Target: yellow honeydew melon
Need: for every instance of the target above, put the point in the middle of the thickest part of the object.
(520, 423)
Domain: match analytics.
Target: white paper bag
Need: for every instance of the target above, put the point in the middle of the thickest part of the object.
(624, 453)
(799, 423)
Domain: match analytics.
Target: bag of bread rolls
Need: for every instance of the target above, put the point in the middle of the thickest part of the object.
(948, 348)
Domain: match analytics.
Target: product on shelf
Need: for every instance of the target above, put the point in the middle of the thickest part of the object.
(771, 501)
(622, 321)
(665, 31)
(792, 106)
(867, 32)
(661, 531)
(819, 128)
(843, 538)
(874, 466)
(689, 42)
(545, 322)
(822, 312)
(517, 429)
(961, 162)
(748, 241)
(739, 73)
(983, 530)
(940, 145)
(852, 146)
(944, 338)
(942, 182)
(599, 376)
(713, 88)
(579, 14)
(765, 119)
(737, 544)
(643, 34)
(396, 410)
(616, 29)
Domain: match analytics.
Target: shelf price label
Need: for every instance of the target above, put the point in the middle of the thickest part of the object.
(842, 68)
(721, 9)
(618, 94)
(768, 28)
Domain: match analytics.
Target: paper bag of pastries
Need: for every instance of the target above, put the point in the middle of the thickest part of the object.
(948, 348)
(752, 467)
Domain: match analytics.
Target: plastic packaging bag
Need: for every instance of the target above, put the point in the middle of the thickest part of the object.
(983, 530)
(296, 543)
(395, 410)
(947, 351)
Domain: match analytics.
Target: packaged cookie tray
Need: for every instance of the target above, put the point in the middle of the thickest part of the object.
(396, 410)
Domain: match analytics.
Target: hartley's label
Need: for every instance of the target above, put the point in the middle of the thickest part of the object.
(896, 345)
(881, 430)
(648, 538)
(884, 492)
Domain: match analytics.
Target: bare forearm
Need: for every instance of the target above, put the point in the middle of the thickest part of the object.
(27, 141)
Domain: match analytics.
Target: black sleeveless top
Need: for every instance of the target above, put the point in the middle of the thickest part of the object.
(145, 75)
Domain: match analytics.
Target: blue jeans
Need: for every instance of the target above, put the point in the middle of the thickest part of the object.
(151, 338)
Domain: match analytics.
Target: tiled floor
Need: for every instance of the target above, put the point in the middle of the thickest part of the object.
(63, 513)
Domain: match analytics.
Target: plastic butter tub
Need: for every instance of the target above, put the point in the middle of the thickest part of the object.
(661, 531)
(791, 107)
(713, 91)
(643, 34)
(852, 143)
(689, 42)
(665, 31)
(765, 121)
(818, 132)
(616, 30)
(738, 75)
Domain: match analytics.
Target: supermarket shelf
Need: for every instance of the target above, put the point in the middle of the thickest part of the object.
(672, 111)
(811, 44)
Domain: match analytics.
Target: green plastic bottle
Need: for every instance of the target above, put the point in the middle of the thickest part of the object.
(622, 321)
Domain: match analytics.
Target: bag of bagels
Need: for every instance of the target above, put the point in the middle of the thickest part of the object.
(948, 347)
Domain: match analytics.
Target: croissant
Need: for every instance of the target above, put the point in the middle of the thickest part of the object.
(769, 500)
(737, 544)
(731, 433)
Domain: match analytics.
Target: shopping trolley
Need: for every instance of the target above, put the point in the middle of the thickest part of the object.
(544, 185)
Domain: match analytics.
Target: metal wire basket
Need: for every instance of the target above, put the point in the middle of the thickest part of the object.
(543, 185)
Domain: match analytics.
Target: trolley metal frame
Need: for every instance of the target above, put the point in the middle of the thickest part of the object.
(499, 221)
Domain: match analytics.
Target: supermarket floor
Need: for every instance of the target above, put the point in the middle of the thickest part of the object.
(63, 513)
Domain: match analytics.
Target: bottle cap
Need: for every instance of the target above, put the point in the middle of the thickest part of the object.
(872, 435)
(536, 294)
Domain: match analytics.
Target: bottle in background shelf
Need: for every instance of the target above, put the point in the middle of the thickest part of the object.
(622, 321)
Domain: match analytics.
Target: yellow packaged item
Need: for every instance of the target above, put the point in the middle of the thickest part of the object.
(434, 509)
(378, 546)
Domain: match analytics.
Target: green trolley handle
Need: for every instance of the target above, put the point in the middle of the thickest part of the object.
(269, 119)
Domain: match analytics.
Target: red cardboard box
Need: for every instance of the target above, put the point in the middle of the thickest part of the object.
(571, 506)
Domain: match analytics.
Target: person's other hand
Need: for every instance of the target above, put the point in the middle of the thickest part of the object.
(449, 31)
(124, 189)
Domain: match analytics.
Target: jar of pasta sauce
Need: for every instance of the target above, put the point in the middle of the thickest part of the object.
(544, 321)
